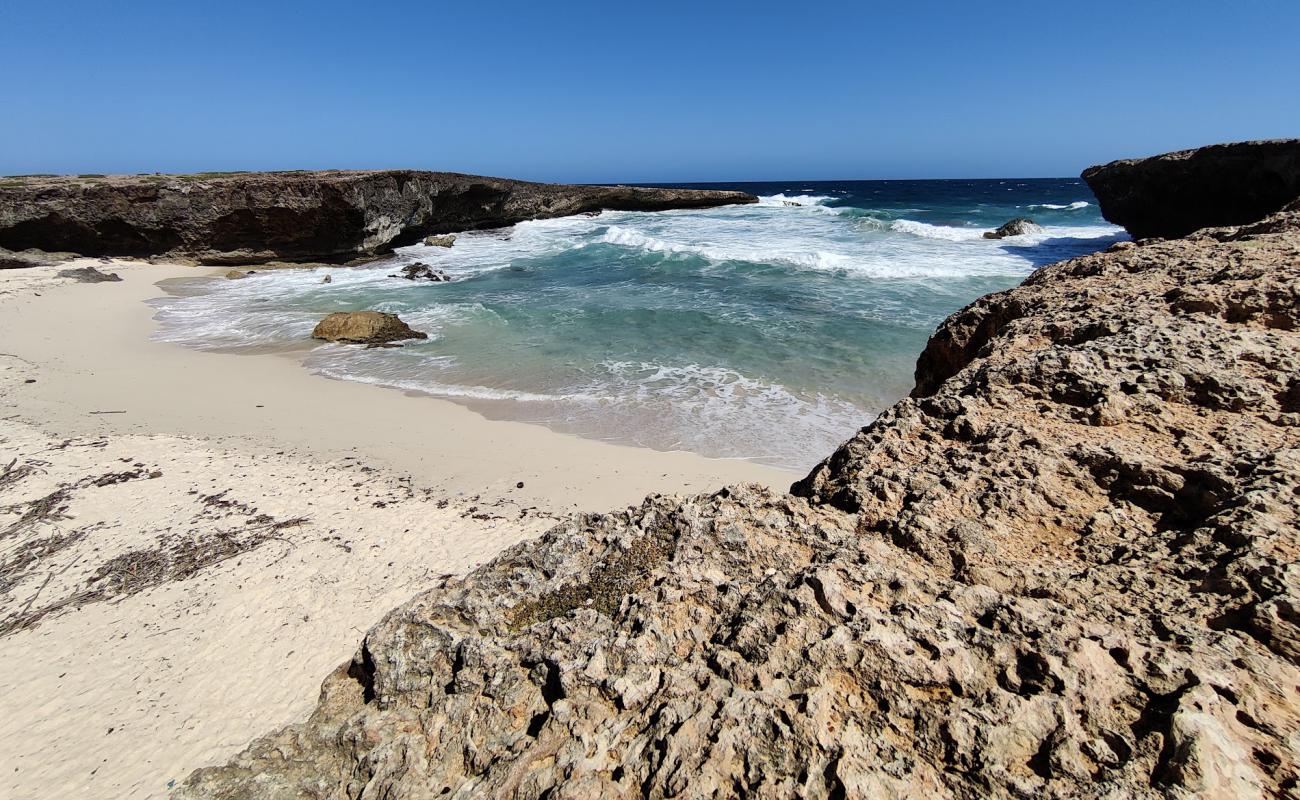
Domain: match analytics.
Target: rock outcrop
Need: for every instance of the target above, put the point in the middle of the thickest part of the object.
(446, 240)
(89, 275)
(1175, 194)
(1016, 227)
(422, 272)
(364, 327)
(1065, 567)
(335, 216)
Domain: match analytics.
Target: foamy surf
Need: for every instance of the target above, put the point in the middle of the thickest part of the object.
(769, 331)
(1075, 206)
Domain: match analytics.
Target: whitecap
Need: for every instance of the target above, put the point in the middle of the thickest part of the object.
(785, 201)
(1075, 206)
(927, 231)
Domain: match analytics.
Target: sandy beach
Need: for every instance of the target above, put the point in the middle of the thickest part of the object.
(190, 541)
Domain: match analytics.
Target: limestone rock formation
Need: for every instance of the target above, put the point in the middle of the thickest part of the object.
(1065, 567)
(364, 327)
(1175, 194)
(446, 240)
(334, 216)
(420, 271)
(89, 275)
(1016, 227)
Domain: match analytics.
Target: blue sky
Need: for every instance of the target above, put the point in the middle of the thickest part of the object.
(652, 91)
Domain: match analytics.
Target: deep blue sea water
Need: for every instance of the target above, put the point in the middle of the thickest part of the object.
(770, 331)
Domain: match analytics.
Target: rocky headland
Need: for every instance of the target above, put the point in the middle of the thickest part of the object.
(1174, 194)
(327, 217)
(1066, 566)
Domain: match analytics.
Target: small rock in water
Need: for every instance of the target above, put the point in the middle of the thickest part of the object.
(791, 203)
(422, 272)
(440, 241)
(89, 275)
(235, 275)
(327, 279)
(1016, 227)
(364, 327)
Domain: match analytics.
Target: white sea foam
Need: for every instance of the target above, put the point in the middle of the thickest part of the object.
(928, 231)
(811, 259)
(344, 368)
(870, 265)
(1075, 206)
(795, 200)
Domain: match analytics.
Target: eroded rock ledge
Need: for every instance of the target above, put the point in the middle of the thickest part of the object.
(1066, 567)
(1174, 194)
(333, 216)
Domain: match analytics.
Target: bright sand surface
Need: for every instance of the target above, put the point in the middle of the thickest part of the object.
(314, 506)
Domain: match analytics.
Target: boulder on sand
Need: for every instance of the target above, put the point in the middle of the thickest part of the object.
(1016, 227)
(440, 241)
(423, 272)
(364, 327)
(89, 275)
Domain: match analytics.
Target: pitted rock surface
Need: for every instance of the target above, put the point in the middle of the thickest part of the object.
(1066, 567)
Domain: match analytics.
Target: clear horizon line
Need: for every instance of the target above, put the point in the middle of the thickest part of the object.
(621, 182)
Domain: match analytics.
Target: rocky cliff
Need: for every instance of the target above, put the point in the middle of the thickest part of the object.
(1065, 567)
(244, 218)
(1174, 194)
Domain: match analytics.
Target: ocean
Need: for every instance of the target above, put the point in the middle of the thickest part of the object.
(769, 332)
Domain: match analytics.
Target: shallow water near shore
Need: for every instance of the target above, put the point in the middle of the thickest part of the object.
(768, 332)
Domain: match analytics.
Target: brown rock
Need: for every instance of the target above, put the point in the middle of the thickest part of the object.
(89, 275)
(440, 241)
(364, 327)
(234, 275)
(1066, 567)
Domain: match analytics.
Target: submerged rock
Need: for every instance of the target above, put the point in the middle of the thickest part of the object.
(235, 275)
(327, 279)
(1016, 227)
(364, 327)
(1175, 194)
(422, 272)
(440, 241)
(1064, 567)
(89, 275)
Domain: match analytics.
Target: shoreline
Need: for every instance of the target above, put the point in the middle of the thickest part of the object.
(133, 373)
(336, 501)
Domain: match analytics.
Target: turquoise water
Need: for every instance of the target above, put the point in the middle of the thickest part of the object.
(770, 332)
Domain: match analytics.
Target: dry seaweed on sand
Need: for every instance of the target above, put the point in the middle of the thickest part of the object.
(173, 558)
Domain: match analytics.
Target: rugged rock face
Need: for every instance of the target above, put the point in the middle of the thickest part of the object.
(1175, 194)
(1016, 227)
(422, 272)
(335, 216)
(364, 327)
(1066, 567)
(89, 275)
